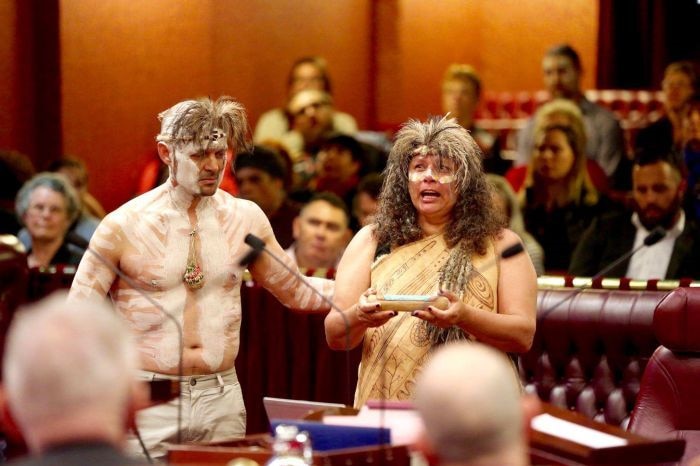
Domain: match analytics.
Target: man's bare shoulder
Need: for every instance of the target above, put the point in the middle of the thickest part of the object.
(242, 210)
(141, 204)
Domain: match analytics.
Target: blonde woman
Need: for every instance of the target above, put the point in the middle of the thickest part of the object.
(558, 197)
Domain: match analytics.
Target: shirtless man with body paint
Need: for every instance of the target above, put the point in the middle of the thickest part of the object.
(181, 243)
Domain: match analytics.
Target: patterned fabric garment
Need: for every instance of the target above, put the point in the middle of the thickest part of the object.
(394, 353)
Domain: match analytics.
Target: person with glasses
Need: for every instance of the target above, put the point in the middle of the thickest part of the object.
(47, 205)
(296, 124)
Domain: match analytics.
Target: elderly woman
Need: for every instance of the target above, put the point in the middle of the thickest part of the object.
(47, 204)
(438, 235)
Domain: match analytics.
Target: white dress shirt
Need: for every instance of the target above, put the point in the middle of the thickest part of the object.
(651, 262)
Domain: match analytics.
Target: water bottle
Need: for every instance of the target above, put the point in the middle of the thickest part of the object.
(291, 447)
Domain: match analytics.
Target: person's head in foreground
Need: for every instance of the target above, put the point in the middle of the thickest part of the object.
(69, 374)
(472, 408)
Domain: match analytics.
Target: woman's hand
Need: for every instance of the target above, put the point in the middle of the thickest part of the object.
(369, 312)
(455, 314)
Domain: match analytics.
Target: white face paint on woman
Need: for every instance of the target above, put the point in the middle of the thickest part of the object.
(197, 170)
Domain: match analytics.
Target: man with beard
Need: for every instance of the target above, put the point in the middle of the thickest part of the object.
(561, 72)
(179, 247)
(658, 190)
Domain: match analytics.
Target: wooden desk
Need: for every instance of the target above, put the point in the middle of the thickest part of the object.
(544, 449)
(259, 449)
(548, 449)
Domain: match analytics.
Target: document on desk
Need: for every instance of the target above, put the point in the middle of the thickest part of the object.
(557, 427)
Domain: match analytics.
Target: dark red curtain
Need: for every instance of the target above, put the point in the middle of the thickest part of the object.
(284, 354)
(638, 38)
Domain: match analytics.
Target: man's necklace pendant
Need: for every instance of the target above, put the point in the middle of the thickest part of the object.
(193, 276)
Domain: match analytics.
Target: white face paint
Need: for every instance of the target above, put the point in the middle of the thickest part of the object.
(420, 173)
(198, 171)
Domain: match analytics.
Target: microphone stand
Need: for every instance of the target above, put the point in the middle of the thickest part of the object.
(82, 244)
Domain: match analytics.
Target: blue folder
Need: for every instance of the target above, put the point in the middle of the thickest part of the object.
(326, 437)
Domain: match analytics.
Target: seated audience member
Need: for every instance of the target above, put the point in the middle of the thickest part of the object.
(90, 212)
(507, 202)
(366, 200)
(559, 199)
(340, 163)
(658, 194)
(15, 170)
(562, 70)
(263, 177)
(665, 134)
(691, 154)
(566, 113)
(69, 380)
(282, 124)
(47, 205)
(312, 119)
(472, 408)
(321, 232)
(461, 90)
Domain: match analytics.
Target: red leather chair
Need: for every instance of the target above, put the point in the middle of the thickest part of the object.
(590, 350)
(668, 405)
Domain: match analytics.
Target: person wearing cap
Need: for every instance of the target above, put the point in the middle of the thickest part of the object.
(172, 255)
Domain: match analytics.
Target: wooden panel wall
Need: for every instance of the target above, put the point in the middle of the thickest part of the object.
(16, 80)
(126, 61)
(123, 62)
(504, 40)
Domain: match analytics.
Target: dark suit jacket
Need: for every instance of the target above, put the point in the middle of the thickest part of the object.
(611, 236)
(80, 454)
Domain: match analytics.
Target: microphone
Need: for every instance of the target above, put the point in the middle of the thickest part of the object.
(80, 242)
(257, 246)
(656, 235)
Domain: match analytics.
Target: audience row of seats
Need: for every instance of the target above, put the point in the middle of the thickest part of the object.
(626, 104)
(504, 113)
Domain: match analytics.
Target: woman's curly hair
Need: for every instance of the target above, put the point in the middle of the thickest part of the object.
(475, 222)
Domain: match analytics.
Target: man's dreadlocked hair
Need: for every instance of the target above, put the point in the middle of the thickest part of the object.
(474, 222)
(202, 120)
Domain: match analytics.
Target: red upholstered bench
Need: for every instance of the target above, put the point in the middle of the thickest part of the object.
(590, 351)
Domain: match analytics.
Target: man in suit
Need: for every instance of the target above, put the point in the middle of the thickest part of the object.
(658, 190)
(69, 380)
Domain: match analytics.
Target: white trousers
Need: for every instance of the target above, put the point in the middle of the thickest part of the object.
(212, 411)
